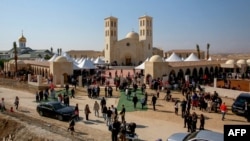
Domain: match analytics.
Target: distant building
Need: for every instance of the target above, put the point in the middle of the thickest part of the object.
(24, 52)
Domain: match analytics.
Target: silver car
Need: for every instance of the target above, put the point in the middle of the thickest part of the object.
(201, 135)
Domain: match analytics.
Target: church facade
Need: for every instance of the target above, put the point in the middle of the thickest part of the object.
(134, 48)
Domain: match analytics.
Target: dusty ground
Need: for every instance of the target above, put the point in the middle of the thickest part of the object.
(26, 124)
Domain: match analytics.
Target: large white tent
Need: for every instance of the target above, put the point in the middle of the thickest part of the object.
(86, 64)
(99, 61)
(173, 58)
(142, 65)
(192, 57)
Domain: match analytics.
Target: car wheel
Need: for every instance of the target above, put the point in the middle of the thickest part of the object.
(41, 113)
(60, 117)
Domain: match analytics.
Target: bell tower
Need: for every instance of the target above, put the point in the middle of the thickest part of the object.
(111, 30)
(146, 34)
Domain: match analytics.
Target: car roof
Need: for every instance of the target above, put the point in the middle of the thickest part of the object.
(244, 95)
(51, 102)
(211, 135)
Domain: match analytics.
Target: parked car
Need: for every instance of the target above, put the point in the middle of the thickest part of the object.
(204, 135)
(238, 106)
(55, 110)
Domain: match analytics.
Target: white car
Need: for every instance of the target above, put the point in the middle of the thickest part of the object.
(201, 135)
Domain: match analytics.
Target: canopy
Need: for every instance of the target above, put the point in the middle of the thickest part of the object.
(192, 57)
(173, 58)
(99, 61)
(142, 65)
(86, 64)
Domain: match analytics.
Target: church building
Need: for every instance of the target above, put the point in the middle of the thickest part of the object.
(134, 48)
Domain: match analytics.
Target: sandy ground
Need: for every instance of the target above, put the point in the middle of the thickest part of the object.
(151, 125)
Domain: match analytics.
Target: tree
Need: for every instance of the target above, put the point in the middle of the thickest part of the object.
(58, 51)
(15, 57)
(208, 46)
(198, 51)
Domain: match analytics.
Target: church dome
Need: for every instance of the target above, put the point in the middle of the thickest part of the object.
(133, 35)
(61, 59)
(22, 39)
(156, 58)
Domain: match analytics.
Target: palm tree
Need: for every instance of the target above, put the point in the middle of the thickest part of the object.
(58, 51)
(198, 51)
(208, 46)
(15, 57)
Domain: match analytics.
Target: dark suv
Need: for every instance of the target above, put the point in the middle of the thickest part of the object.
(238, 106)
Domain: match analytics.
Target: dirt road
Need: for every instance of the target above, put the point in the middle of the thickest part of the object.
(151, 125)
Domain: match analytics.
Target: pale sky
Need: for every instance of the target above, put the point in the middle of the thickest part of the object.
(79, 24)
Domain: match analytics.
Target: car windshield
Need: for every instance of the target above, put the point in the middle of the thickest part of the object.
(190, 136)
(58, 106)
(242, 100)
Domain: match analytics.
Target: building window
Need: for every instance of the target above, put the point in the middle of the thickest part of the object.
(140, 23)
(115, 33)
(140, 32)
(128, 44)
(147, 33)
(107, 46)
(148, 46)
(111, 32)
(147, 23)
(114, 24)
(143, 32)
(111, 23)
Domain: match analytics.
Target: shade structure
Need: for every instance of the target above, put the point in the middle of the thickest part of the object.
(192, 57)
(142, 65)
(99, 61)
(173, 58)
(86, 64)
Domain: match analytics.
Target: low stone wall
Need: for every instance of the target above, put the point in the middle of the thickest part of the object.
(229, 93)
(14, 84)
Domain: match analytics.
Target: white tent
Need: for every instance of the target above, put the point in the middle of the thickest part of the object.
(192, 57)
(53, 58)
(86, 64)
(173, 58)
(142, 65)
(99, 61)
(209, 59)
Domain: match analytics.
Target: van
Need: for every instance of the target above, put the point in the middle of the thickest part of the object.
(238, 106)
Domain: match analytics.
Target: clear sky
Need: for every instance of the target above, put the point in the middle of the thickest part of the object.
(79, 24)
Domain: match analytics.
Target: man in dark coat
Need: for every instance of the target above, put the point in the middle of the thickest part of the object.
(154, 98)
(135, 100)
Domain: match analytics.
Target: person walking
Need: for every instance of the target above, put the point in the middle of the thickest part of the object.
(77, 112)
(122, 113)
(104, 112)
(71, 125)
(96, 108)
(202, 122)
(109, 114)
(72, 93)
(176, 107)
(16, 102)
(103, 102)
(223, 109)
(3, 105)
(154, 98)
(135, 100)
(115, 130)
(87, 111)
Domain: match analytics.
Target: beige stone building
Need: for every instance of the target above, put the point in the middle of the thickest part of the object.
(85, 53)
(134, 48)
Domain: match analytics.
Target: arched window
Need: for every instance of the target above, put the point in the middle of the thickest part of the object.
(148, 46)
(107, 46)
